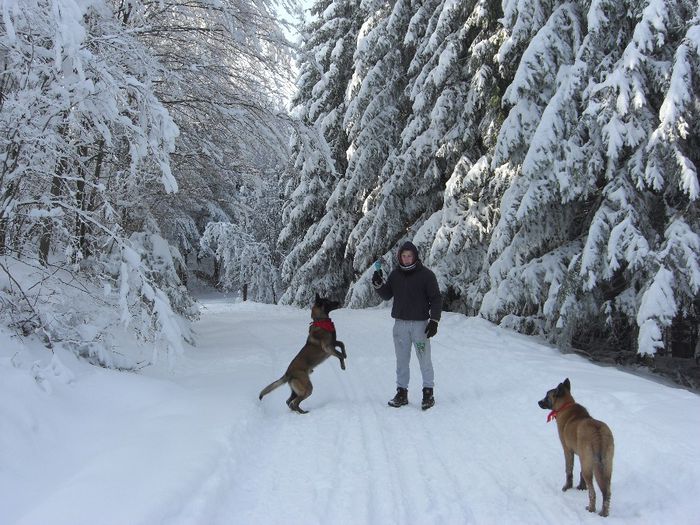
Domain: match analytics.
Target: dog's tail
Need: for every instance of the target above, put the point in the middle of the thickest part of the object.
(269, 388)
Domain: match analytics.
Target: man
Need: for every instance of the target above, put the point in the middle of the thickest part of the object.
(416, 310)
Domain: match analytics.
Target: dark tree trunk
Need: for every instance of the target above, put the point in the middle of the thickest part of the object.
(45, 242)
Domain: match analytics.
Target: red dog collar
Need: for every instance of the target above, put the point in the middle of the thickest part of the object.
(554, 413)
(325, 324)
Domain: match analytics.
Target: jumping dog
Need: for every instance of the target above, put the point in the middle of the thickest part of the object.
(321, 343)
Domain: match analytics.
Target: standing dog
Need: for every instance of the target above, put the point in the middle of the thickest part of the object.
(320, 345)
(586, 437)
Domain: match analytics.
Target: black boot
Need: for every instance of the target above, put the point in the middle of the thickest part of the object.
(428, 399)
(400, 399)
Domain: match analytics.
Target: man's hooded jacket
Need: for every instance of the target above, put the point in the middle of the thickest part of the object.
(414, 289)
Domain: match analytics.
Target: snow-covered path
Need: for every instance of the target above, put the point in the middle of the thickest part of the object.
(194, 445)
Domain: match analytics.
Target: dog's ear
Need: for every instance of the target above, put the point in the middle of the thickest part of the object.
(564, 388)
(317, 299)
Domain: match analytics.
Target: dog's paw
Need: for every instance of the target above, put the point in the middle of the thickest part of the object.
(582, 486)
(566, 487)
(590, 509)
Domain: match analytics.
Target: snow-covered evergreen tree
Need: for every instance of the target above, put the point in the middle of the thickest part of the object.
(531, 151)
(319, 151)
(597, 264)
(414, 176)
(373, 101)
(456, 237)
(378, 109)
(543, 155)
(672, 167)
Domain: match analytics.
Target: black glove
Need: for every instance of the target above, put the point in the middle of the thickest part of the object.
(431, 329)
(377, 279)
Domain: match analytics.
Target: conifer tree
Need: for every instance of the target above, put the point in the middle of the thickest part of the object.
(594, 266)
(372, 121)
(530, 151)
(541, 153)
(672, 168)
(646, 213)
(318, 156)
(456, 237)
(414, 175)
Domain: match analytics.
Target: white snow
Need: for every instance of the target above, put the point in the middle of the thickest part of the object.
(192, 444)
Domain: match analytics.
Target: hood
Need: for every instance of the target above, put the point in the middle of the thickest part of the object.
(408, 245)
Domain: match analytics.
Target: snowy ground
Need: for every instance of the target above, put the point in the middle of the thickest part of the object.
(193, 445)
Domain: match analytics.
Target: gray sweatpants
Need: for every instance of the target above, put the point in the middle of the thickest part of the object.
(406, 335)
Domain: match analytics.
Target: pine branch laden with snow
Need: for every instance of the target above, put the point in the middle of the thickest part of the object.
(454, 238)
(522, 19)
(678, 117)
(656, 311)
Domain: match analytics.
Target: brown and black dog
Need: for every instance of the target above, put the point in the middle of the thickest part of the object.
(320, 345)
(591, 440)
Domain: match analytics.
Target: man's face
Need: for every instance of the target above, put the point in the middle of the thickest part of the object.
(407, 258)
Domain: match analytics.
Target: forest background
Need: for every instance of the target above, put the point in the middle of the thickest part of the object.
(541, 154)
